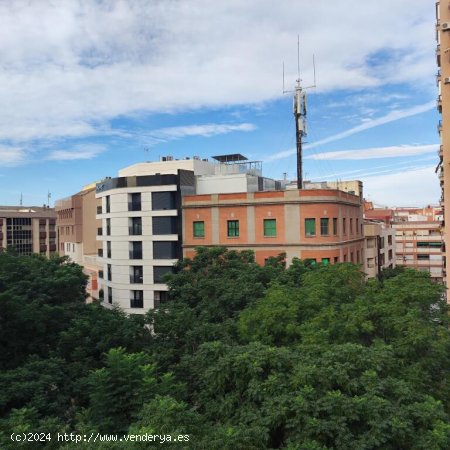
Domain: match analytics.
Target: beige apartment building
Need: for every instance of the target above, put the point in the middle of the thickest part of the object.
(379, 248)
(443, 105)
(28, 229)
(77, 234)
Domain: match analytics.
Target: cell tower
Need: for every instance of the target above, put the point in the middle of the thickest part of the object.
(299, 109)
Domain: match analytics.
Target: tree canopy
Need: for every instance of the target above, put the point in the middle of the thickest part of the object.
(240, 357)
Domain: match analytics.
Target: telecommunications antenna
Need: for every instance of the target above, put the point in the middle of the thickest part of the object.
(299, 109)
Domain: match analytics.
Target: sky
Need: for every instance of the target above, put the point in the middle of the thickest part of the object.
(89, 87)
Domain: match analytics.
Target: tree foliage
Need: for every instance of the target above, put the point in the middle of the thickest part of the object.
(240, 357)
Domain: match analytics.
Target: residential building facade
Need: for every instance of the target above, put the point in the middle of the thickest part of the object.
(325, 225)
(379, 248)
(28, 229)
(77, 234)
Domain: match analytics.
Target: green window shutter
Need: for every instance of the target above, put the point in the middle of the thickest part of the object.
(310, 227)
(199, 229)
(325, 261)
(233, 228)
(270, 227)
(324, 226)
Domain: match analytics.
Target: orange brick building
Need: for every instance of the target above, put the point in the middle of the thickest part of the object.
(320, 224)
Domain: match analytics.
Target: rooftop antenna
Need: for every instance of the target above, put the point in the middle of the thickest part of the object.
(299, 109)
(21, 199)
(48, 198)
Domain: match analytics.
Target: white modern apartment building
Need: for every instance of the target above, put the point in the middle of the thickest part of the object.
(141, 221)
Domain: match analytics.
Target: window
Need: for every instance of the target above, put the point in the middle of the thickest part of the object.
(357, 226)
(270, 227)
(199, 229)
(108, 249)
(336, 259)
(344, 229)
(109, 272)
(159, 272)
(325, 261)
(159, 298)
(164, 225)
(351, 227)
(233, 228)
(335, 230)
(310, 227)
(324, 226)
(390, 240)
(136, 274)
(345, 258)
(135, 228)
(100, 274)
(165, 250)
(137, 299)
(134, 201)
(109, 294)
(429, 244)
(163, 200)
(136, 250)
(108, 204)
(390, 254)
(351, 254)
(357, 256)
(108, 227)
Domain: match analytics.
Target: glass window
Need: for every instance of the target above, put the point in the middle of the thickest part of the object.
(164, 225)
(344, 229)
(135, 228)
(165, 249)
(199, 229)
(134, 201)
(110, 294)
(310, 227)
(270, 227)
(159, 298)
(109, 272)
(335, 230)
(159, 272)
(136, 274)
(108, 204)
(108, 227)
(137, 299)
(108, 249)
(233, 228)
(136, 250)
(351, 227)
(163, 200)
(324, 226)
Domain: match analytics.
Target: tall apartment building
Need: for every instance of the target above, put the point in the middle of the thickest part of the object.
(443, 105)
(379, 247)
(29, 229)
(77, 233)
(418, 237)
(324, 225)
(141, 220)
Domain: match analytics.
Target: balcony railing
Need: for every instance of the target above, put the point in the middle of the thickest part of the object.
(135, 230)
(134, 206)
(138, 279)
(135, 254)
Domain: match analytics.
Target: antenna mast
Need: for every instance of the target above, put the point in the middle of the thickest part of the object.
(299, 109)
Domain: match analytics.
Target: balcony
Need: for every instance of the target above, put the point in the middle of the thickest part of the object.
(441, 176)
(99, 232)
(441, 151)
(52, 234)
(136, 279)
(438, 55)
(135, 254)
(134, 206)
(100, 252)
(439, 103)
(52, 247)
(439, 127)
(99, 210)
(135, 230)
(42, 235)
(42, 248)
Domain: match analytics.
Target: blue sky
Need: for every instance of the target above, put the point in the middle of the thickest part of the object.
(90, 87)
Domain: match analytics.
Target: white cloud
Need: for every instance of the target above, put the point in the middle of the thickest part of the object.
(70, 67)
(377, 152)
(416, 187)
(79, 152)
(12, 156)
(366, 125)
